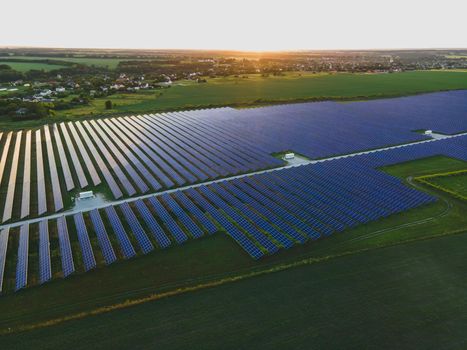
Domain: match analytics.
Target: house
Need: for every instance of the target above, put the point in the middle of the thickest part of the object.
(22, 111)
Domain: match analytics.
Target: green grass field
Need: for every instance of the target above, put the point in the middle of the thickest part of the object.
(110, 63)
(399, 278)
(454, 183)
(292, 87)
(27, 66)
(406, 297)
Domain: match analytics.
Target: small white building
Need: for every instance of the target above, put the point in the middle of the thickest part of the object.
(289, 156)
(428, 132)
(85, 195)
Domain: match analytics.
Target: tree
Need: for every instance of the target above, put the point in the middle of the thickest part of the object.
(108, 104)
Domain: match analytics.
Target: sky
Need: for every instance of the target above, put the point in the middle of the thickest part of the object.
(235, 24)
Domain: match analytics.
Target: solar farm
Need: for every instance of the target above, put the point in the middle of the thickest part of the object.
(174, 177)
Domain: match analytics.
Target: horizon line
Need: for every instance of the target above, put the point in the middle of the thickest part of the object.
(233, 50)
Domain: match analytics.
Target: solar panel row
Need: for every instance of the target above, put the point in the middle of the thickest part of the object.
(152, 224)
(41, 197)
(143, 240)
(55, 182)
(6, 148)
(125, 245)
(68, 266)
(4, 234)
(26, 197)
(22, 264)
(63, 160)
(82, 150)
(83, 182)
(262, 213)
(83, 238)
(100, 162)
(102, 237)
(45, 269)
(12, 180)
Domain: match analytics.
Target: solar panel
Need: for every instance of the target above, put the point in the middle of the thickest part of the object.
(41, 197)
(182, 216)
(45, 270)
(174, 159)
(63, 160)
(160, 167)
(173, 227)
(3, 159)
(127, 249)
(130, 190)
(4, 234)
(83, 182)
(102, 237)
(117, 193)
(151, 222)
(123, 146)
(84, 154)
(84, 242)
(22, 264)
(143, 240)
(122, 160)
(231, 230)
(196, 212)
(240, 220)
(56, 191)
(26, 197)
(68, 266)
(12, 180)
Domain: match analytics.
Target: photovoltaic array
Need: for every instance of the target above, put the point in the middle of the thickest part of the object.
(263, 213)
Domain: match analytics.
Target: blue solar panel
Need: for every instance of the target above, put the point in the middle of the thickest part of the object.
(22, 264)
(45, 269)
(173, 227)
(68, 266)
(26, 197)
(4, 234)
(257, 235)
(143, 240)
(102, 237)
(127, 249)
(196, 212)
(151, 222)
(189, 224)
(83, 238)
(231, 230)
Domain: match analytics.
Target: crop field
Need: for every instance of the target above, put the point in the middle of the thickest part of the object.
(378, 287)
(454, 183)
(110, 63)
(27, 66)
(193, 206)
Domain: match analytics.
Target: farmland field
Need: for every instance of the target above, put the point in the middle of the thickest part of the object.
(27, 66)
(409, 295)
(456, 183)
(110, 63)
(292, 87)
